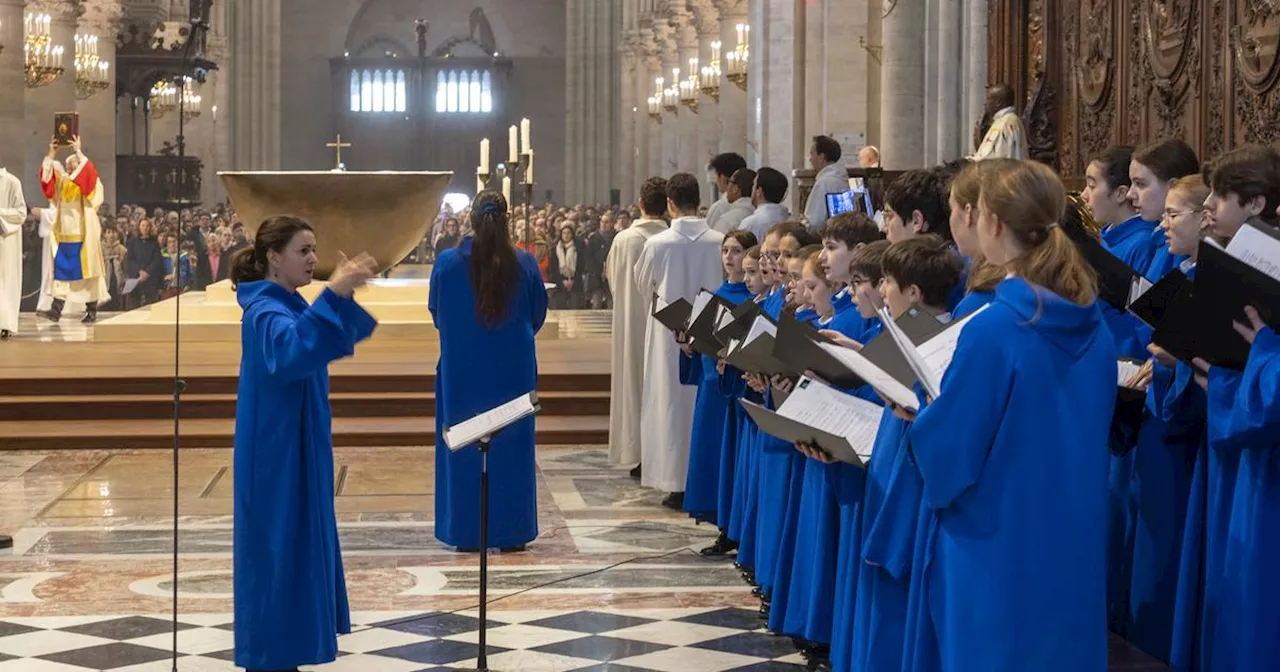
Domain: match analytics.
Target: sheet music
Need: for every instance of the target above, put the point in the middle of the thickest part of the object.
(1127, 370)
(1257, 249)
(824, 408)
(875, 376)
(732, 347)
(469, 431)
(700, 303)
(939, 350)
(1138, 287)
(920, 367)
(761, 326)
(725, 319)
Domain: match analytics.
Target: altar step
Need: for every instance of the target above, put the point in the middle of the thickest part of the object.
(223, 406)
(220, 433)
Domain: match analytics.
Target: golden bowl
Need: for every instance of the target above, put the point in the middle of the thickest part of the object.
(386, 213)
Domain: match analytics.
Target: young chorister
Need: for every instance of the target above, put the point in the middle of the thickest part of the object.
(711, 441)
(759, 278)
(1227, 614)
(1013, 452)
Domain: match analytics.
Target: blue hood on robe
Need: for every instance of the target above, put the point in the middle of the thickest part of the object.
(249, 293)
(1070, 327)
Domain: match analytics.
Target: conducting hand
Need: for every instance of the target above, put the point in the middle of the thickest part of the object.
(352, 274)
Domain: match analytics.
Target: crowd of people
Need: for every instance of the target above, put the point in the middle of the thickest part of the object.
(1014, 516)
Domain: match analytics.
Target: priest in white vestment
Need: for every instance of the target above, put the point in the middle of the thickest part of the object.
(739, 196)
(832, 178)
(78, 268)
(674, 264)
(13, 212)
(631, 310)
(1007, 137)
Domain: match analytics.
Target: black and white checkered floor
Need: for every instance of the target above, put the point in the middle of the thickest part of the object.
(607, 640)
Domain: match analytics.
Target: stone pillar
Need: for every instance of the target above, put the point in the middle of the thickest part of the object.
(669, 59)
(689, 150)
(799, 82)
(975, 69)
(902, 97)
(773, 82)
(950, 80)
(655, 128)
(593, 70)
(217, 100)
(732, 108)
(98, 114)
(845, 92)
(44, 102)
(13, 149)
(626, 148)
(708, 25)
(254, 114)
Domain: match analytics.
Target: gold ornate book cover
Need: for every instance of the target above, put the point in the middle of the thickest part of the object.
(66, 125)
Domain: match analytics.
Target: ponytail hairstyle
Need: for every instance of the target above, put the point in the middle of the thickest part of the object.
(494, 266)
(1029, 201)
(249, 264)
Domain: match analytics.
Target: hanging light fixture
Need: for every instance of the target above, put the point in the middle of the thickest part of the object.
(91, 70)
(690, 88)
(709, 78)
(738, 59)
(671, 94)
(42, 60)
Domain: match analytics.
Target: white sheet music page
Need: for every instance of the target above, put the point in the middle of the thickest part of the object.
(1126, 370)
(915, 360)
(834, 412)
(939, 350)
(700, 303)
(477, 427)
(725, 319)
(884, 383)
(732, 347)
(760, 326)
(1138, 287)
(1256, 248)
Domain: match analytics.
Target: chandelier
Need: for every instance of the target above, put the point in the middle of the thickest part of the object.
(655, 101)
(736, 71)
(164, 99)
(709, 81)
(42, 60)
(689, 88)
(671, 94)
(91, 71)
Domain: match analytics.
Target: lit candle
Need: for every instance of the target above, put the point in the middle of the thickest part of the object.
(484, 156)
(528, 172)
(506, 187)
(742, 29)
(513, 144)
(526, 145)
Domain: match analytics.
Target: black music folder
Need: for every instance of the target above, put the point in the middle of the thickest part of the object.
(744, 315)
(1116, 279)
(675, 315)
(1154, 304)
(793, 431)
(703, 327)
(757, 357)
(798, 346)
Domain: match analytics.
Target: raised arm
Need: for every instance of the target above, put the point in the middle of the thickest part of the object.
(295, 346)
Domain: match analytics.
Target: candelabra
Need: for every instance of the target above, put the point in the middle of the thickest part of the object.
(710, 76)
(671, 94)
(41, 58)
(91, 70)
(655, 101)
(165, 99)
(690, 87)
(738, 59)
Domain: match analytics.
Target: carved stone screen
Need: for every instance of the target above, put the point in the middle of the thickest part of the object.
(1093, 73)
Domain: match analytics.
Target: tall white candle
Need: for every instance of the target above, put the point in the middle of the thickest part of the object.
(526, 145)
(513, 144)
(479, 184)
(484, 155)
(506, 188)
(528, 173)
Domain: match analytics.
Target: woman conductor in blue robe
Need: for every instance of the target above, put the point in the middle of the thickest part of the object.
(488, 301)
(290, 595)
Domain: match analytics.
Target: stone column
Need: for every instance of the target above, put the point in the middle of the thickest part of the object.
(732, 108)
(902, 97)
(13, 149)
(708, 25)
(216, 94)
(669, 59)
(772, 81)
(98, 114)
(592, 129)
(950, 80)
(654, 127)
(59, 96)
(845, 91)
(626, 148)
(254, 114)
(975, 69)
(689, 151)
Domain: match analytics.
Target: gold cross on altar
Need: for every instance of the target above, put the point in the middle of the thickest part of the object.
(338, 145)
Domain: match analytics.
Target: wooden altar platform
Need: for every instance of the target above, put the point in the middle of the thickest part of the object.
(62, 388)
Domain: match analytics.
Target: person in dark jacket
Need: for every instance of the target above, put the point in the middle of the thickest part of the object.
(567, 268)
(144, 262)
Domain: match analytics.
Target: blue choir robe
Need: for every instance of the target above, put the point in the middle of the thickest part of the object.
(732, 387)
(290, 593)
(707, 440)
(780, 477)
(750, 523)
(1227, 614)
(1163, 462)
(482, 367)
(1135, 241)
(1018, 568)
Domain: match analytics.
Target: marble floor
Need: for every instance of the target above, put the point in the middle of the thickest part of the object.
(612, 584)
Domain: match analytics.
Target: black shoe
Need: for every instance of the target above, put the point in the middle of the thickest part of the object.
(466, 550)
(5, 334)
(723, 546)
(635, 471)
(90, 313)
(513, 549)
(674, 500)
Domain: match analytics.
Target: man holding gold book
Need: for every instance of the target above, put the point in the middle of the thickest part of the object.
(74, 194)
